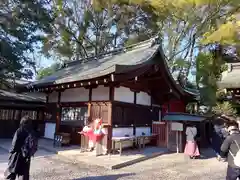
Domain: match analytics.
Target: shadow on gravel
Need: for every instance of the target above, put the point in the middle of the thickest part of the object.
(107, 177)
(207, 153)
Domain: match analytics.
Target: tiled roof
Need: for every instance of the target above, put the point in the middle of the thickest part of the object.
(108, 63)
(27, 97)
(183, 117)
(118, 61)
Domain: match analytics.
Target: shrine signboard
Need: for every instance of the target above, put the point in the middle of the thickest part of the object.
(175, 126)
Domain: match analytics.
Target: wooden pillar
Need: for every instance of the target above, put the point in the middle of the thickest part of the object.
(111, 93)
(89, 104)
(111, 99)
(47, 98)
(152, 111)
(134, 102)
(110, 120)
(58, 118)
(135, 97)
(109, 131)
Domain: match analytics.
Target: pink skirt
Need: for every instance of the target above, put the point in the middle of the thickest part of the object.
(191, 149)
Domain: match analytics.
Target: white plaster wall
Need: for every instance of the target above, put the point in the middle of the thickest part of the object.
(143, 99)
(53, 97)
(121, 132)
(100, 93)
(49, 130)
(140, 130)
(123, 94)
(75, 95)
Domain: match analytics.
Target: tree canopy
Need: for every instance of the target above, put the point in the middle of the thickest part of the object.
(87, 28)
(190, 26)
(21, 24)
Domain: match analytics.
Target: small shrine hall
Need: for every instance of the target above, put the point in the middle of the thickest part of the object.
(230, 81)
(14, 105)
(127, 88)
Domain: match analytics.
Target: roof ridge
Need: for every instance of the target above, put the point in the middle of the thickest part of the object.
(152, 40)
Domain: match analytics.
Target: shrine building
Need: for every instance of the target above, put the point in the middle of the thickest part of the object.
(128, 88)
(230, 82)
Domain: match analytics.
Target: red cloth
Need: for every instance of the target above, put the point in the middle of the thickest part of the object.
(93, 137)
(191, 149)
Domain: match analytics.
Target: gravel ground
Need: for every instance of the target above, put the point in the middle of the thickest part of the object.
(166, 167)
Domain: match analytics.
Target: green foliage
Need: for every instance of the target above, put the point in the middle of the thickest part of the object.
(86, 28)
(215, 21)
(209, 69)
(190, 25)
(20, 22)
(224, 108)
(47, 71)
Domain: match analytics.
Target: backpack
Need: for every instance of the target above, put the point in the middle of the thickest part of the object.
(236, 158)
(30, 146)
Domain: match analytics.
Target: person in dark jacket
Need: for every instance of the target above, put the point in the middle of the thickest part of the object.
(18, 166)
(229, 149)
(217, 140)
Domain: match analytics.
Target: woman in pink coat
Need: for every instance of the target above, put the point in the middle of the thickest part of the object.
(191, 147)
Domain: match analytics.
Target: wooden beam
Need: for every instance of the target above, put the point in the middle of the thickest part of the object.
(141, 80)
(145, 84)
(134, 90)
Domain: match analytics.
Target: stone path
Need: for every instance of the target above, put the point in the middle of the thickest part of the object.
(47, 166)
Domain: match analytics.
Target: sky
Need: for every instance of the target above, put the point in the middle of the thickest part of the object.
(45, 62)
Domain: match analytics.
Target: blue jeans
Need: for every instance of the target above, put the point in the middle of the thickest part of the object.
(232, 173)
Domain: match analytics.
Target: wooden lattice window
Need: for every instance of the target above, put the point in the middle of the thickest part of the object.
(31, 114)
(17, 115)
(74, 113)
(6, 114)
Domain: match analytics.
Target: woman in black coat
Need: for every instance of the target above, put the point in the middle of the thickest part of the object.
(18, 166)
